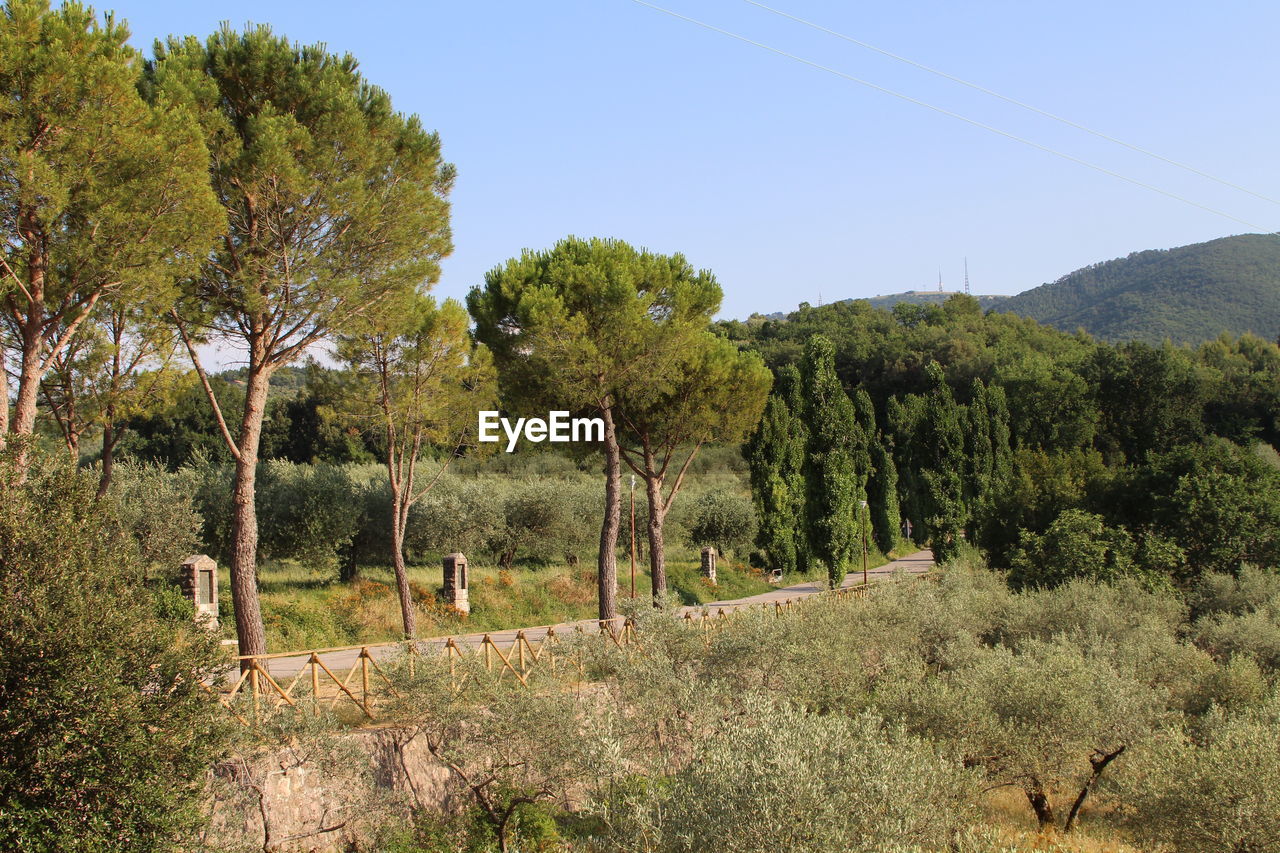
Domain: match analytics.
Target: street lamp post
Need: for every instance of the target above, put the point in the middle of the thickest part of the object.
(862, 522)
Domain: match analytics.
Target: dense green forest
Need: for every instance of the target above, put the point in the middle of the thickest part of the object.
(1188, 294)
(1052, 450)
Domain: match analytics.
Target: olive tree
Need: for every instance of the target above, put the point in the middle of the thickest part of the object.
(505, 746)
(1214, 791)
(1048, 719)
(774, 777)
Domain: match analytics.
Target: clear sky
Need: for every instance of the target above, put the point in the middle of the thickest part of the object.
(607, 118)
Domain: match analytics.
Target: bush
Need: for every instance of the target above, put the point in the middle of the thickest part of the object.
(1239, 616)
(158, 509)
(780, 778)
(723, 520)
(105, 731)
(1081, 545)
(1217, 793)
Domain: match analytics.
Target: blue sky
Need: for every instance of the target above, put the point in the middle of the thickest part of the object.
(603, 117)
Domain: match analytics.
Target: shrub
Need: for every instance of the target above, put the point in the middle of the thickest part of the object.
(779, 778)
(723, 520)
(1218, 793)
(105, 731)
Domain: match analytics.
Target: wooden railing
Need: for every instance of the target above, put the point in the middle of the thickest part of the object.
(319, 686)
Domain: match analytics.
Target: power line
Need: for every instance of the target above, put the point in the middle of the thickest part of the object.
(949, 113)
(1014, 101)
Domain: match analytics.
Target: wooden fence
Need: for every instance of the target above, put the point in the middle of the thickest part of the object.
(356, 684)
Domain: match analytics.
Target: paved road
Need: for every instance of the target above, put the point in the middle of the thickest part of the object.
(342, 660)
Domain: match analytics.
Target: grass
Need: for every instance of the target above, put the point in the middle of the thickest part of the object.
(307, 607)
(1009, 823)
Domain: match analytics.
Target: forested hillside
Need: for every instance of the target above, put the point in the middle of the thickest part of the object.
(1057, 454)
(1188, 294)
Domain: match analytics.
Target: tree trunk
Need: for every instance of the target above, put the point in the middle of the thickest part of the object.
(1042, 807)
(407, 614)
(607, 561)
(244, 522)
(29, 376)
(1099, 761)
(108, 452)
(657, 551)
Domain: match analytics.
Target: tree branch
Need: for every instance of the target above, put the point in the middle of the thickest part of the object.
(208, 389)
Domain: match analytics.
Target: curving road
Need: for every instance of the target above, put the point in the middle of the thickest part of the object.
(289, 664)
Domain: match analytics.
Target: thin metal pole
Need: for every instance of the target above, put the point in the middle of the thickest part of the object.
(862, 522)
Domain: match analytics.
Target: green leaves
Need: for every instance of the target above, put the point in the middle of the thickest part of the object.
(106, 731)
(103, 197)
(589, 321)
(335, 204)
(836, 454)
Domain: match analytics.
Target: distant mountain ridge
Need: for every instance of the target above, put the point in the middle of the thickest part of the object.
(931, 297)
(1187, 294)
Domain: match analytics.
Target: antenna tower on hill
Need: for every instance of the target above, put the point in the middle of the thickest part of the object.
(939, 281)
(966, 276)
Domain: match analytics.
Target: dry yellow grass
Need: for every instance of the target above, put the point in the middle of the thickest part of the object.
(1010, 824)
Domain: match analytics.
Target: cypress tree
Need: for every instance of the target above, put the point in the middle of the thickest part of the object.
(831, 472)
(775, 453)
(904, 416)
(942, 440)
(882, 490)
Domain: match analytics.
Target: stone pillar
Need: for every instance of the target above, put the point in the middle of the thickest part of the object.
(199, 583)
(455, 582)
(709, 563)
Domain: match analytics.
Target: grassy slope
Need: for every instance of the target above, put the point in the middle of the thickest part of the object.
(308, 608)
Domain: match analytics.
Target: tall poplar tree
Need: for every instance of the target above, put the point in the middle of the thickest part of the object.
(335, 208)
(776, 456)
(103, 196)
(904, 415)
(882, 495)
(942, 443)
(979, 452)
(1001, 448)
(832, 488)
(865, 413)
(582, 325)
